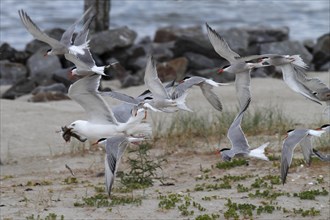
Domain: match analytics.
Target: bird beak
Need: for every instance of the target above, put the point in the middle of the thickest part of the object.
(220, 71)
(217, 152)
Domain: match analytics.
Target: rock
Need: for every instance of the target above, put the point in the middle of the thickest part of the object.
(11, 72)
(309, 44)
(48, 96)
(36, 45)
(7, 52)
(198, 61)
(325, 67)
(162, 51)
(173, 69)
(321, 51)
(287, 47)
(133, 80)
(57, 87)
(107, 41)
(171, 33)
(264, 34)
(199, 45)
(137, 63)
(39, 65)
(21, 87)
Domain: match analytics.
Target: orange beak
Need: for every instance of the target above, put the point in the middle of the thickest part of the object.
(220, 71)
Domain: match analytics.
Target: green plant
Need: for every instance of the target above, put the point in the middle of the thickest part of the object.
(142, 168)
(231, 164)
(310, 194)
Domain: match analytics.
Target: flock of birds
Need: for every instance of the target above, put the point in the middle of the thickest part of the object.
(126, 123)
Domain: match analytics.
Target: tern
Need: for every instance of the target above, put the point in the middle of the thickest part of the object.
(101, 121)
(206, 85)
(240, 66)
(114, 148)
(240, 146)
(293, 75)
(293, 138)
(161, 98)
(84, 63)
(64, 46)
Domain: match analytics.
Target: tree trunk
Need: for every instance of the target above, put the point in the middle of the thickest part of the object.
(101, 10)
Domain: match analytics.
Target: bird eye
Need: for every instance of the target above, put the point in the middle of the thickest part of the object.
(73, 124)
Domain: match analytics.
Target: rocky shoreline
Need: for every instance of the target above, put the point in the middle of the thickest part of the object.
(179, 52)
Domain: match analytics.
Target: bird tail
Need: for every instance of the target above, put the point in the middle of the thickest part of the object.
(135, 126)
(181, 102)
(259, 152)
(298, 61)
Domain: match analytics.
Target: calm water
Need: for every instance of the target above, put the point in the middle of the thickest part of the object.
(307, 19)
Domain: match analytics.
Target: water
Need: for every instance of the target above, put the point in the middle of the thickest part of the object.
(306, 19)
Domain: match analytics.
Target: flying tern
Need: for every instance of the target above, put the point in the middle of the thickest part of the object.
(65, 45)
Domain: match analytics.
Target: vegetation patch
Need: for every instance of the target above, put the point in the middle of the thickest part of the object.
(310, 194)
(231, 164)
(102, 200)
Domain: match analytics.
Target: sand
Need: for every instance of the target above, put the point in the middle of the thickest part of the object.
(32, 150)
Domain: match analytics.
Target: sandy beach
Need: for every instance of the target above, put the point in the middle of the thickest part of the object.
(32, 150)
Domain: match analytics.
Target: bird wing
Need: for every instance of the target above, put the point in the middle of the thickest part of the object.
(35, 31)
(220, 45)
(242, 85)
(77, 60)
(255, 57)
(152, 81)
(84, 92)
(288, 146)
(236, 135)
(185, 85)
(291, 79)
(306, 147)
(115, 147)
(121, 96)
(321, 156)
(66, 38)
(211, 96)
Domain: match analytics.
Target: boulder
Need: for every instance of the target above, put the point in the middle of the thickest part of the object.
(321, 51)
(198, 61)
(264, 34)
(56, 87)
(11, 72)
(40, 65)
(7, 52)
(21, 87)
(162, 51)
(48, 96)
(107, 41)
(238, 40)
(199, 45)
(171, 33)
(173, 69)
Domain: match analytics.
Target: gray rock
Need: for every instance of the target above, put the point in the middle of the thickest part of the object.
(11, 72)
(7, 52)
(199, 45)
(21, 87)
(321, 51)
(287, 47)
(162, 51)
(39, 65)
(57, 87)
(48, 96)
(171, 33)
(35, 45)
(135, 64)
(107, 41)
(264, 34)
(198, 61)
(172, 69)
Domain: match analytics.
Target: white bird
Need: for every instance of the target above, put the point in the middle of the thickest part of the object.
(64, 46)
(206, 85)
(239, 143)
(114, 148)
(84, 63)
(101, 122)
(293, 138)
(161, 99)
(293, 76)
(240, 66)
